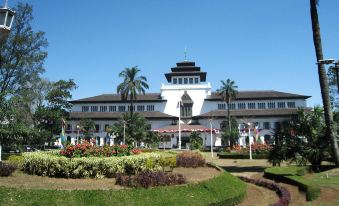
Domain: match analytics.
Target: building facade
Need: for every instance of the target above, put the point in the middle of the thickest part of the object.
(188, 95)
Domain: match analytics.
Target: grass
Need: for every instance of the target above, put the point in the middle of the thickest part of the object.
(313, 184)
(232, 155)
(222, 190)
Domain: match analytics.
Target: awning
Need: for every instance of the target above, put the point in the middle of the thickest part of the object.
(185, 128)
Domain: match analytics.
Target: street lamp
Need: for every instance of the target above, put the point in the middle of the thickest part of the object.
(335, 68)
(78, 128)
(6, 20)
(124, 122)
(210, 120)
(249, 139)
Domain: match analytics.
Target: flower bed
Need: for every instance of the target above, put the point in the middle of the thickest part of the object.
(91, 150)
(53, 165)
(190, 159)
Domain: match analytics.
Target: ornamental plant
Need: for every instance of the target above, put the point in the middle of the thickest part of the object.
(190, 159)
(91, 150)
(6, 169)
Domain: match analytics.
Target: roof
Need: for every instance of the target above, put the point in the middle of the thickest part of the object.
(250, 113)
(186, 68)
(185, 128)
(118, 115)
(259, 95)
(108, 98)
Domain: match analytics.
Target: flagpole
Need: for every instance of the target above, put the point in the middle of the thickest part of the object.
(179, 143)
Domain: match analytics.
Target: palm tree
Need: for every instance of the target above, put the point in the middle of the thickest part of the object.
(228, 91)
(323, 81)
(132, 85)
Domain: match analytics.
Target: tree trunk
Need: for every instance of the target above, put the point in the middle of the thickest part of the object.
(323, 82)
(229, 123)
(131, 106)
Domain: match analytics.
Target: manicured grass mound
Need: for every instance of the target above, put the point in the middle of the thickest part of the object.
(53, 165)
(295, 176)
(231, 155)
(222, 190)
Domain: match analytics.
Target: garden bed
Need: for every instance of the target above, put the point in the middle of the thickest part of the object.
(224, 189)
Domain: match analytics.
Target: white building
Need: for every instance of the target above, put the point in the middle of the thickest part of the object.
(187, 83)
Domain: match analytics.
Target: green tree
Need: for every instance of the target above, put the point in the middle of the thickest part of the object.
(302, 140)
(330, 130)
(22, 54)
(228, 91)
(195, 141)
(136, 127)
(132, 85)
(230, 135)
(87, 126)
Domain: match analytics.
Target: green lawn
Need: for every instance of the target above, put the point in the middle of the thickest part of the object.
(222, 190)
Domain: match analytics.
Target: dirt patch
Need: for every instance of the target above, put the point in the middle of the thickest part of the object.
(21, 180)
(258, 196)
(197, 174)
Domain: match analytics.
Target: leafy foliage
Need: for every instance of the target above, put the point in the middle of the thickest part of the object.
(53, 165)
(147, 179)
(195, 141)
(228, 135)
(6, 169)
(301, 140)
(190, 159)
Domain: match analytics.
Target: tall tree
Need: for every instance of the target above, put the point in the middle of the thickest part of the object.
(22, 54)
(228, 91)
(330, 130)
(132, 85)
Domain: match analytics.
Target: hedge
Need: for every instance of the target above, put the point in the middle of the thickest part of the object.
(294, 176)
(224, 189)
(52, 165)
(227, 155)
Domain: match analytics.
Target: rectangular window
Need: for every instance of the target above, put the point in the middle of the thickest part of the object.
(222, 106)
(129, 107)
(94, 108)
(112, 108)
(85, 108)
(232, 106)
(69, 128)
(97, 128)
(175, 81)
(150, 107)
(291, 104)
(185, 81)
(103, 108)
(180, 80)
(191, 80)
(266, 125)
(196, 80)
(271, 105)
(251, 105)
(241, 106)
(121, 108)
(281, 104)
(141, 108)
(262, 105)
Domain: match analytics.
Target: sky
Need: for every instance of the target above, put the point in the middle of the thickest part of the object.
(261, 44)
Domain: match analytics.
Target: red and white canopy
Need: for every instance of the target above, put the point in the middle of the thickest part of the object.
(185, 128)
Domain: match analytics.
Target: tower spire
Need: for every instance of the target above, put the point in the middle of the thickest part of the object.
(185, 54)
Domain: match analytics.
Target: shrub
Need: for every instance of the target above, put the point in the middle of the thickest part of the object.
(15, 160)
(226, 155)
(195, 141)
(168, 162)
(49, 164)
(190, 159)
(6, 169)
(148, 179)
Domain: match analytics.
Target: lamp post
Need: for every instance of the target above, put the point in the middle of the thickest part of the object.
(179, 143)
(124, 140)
(335, 67)
(249, 139)
(78, 127)
(210, 120)
(6, 21)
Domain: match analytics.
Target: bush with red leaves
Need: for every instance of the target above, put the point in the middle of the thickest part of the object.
(190, 159)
